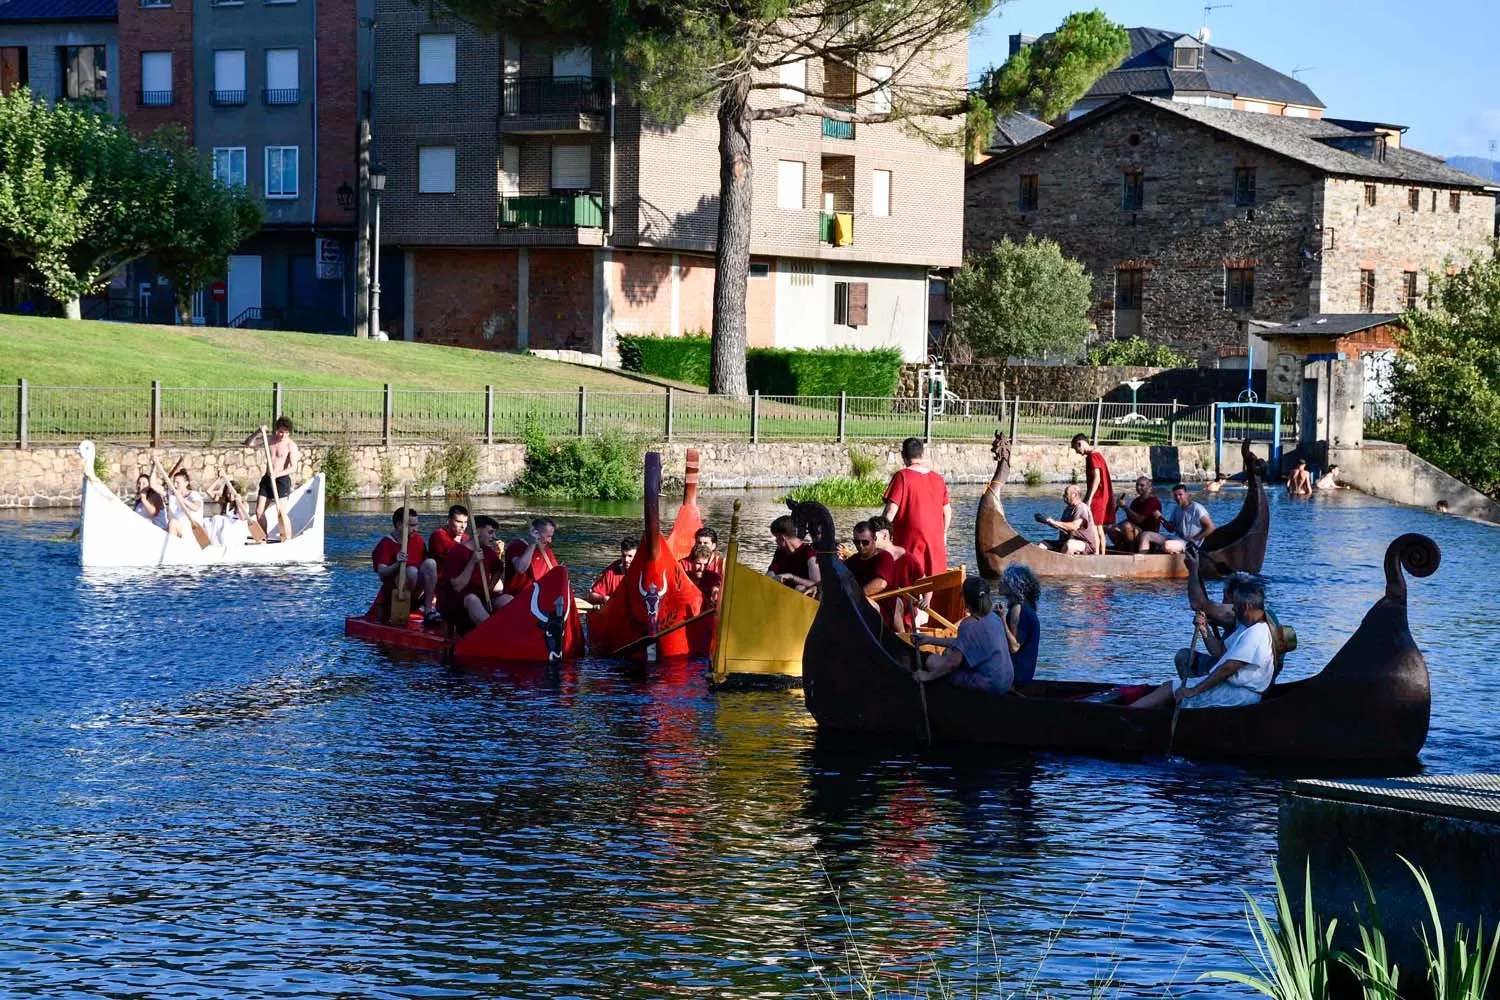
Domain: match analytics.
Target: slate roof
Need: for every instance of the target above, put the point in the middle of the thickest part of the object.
(1016, 128)
(1148, 70)
(1329, 325)
(18, 11)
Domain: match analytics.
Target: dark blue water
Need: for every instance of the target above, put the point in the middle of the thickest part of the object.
(207, 791)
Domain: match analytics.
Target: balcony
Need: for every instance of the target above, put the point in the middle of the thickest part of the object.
(583, 210)
(836, 129)
(227, 98)
(541, 105)
(836, 228)
(281, 97)
(154, 99)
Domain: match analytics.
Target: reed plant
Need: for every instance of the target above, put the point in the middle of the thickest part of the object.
(339, 481)
(1293, 959)
(387, 472)
(1457, 968)
(859, 489)
(460, 460)
(1371, 962)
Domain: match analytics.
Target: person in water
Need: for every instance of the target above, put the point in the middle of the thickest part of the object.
(1330, 480)
(1244, 661)
(1023, 629)
(979, 656)
(1216, 484)
(1077, 534)
(1298, 482)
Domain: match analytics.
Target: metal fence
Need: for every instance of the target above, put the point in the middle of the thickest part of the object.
(174, 415)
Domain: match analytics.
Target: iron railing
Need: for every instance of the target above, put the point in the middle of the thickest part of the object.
(227, 98)
(276, 97)
(154, 98)
(554, 95)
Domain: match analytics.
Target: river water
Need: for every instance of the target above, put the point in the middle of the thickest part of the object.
(207, 791)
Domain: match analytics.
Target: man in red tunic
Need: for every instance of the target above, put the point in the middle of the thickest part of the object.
(1142, 515)
(872, 567)
(699, 567)
(439, 544)
(916, 504)
(461, 592)
(1098, 493)
(614, 574)
(793, 563)
(390, 563)
(529, 559)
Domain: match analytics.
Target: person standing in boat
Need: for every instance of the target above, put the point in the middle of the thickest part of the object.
(872, 567)
(1244, 661)
(794, 563)
(461, 595)
(1143, 514)
(1023, 629)
(391, 564)
(284, 458)
(614, 574)
(977, 658)
(439, 544)
(1189, 524)
(529, 559)
(1098, 491)
(149, 503)
(916, 504)
(1077, 534)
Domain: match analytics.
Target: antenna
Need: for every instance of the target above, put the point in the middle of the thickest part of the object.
(1208, 8)
(1302, 69)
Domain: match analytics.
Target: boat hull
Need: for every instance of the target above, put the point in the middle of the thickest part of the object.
(515, 633)
(412, 637)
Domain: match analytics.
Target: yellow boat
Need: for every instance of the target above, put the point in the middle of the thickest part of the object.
(762, 623)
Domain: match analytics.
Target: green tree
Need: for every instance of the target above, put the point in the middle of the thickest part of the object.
(1137, 351)
(202, 222)
(676, 57)
(1021, 300)
(1446, 381)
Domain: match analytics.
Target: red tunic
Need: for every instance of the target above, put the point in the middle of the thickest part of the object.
(708, 580)
(542, 560)
(794, 561)
(1103, 504)
(440, 541)
(920, 497)
(609, 580)
(458, 559)
(384, 554)
(1148, 509)
(881, 565)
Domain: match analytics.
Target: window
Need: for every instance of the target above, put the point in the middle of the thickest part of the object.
(1028, 198)
(1434, 201)
(1370, 194)
(1366, 291)
(156, 79)
(229, 165)
(85, 72)
(1244, 185)
(1454, 201)
(1239, 287)
(1128, 282)
(851, 303)
(760, 269)
(577, 61)
(793, 79)
(1409, 288)
(437, 169)
(437, 60)
(880, 192)
(1414, 199)
(789, 184)
(570, 168)
(14, 68)
(281, 171)
(510, 171)
(1187, 57)
(156, 3)
(282, 83)
(1133, 193)
(880, 100)
(229, 77)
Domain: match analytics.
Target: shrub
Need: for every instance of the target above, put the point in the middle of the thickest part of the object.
(338, 473)
(1137, 352)
(840, 491)
(773, 371)
(607, 467)
(460, 461)
(427, 479)
(860, 464)
(1033, 476)
(388, 482)
(682, 359)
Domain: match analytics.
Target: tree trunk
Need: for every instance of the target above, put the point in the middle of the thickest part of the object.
(73, 308)
(727, 369)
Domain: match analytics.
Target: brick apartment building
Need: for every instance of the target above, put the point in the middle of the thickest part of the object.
(527, 206)
(64, 50)
(1195, 221)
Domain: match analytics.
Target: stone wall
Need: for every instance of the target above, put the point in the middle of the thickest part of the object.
(1392, 473)
(1074, 382)
(43, 477)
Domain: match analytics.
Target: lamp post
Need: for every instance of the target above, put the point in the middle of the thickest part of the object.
(1134, 383)
(377, 188)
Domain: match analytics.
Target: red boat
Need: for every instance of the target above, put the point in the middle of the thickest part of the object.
(413, 637)
(539, 626)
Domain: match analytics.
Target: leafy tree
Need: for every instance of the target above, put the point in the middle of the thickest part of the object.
(1446, 382)
(676, 57)
(1021, 300)
(1137, 351)
(203, 221)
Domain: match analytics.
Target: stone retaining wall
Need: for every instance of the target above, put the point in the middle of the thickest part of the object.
(44, 477)
(1075, 382)
(1391, 472)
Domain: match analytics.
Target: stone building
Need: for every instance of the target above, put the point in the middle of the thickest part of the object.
(1195, 220)
(528, 206)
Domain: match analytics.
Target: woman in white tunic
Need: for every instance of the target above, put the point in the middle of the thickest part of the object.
(184, 505)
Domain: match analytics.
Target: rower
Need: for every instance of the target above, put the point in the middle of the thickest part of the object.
(1023, 628)
(462, 598)
(149, 503)
(794, 562)
(184, 504)
(528, 559)
(1077, 535)
(1142, 515)
(873, 568)
(699, 567)
(978, 658)
(1190, 523)
(391, 563)
(1244, 664)
(285, 456)
(709, 537)
(231, 526)
(1221, 618)
(439, 544)
(614, 574)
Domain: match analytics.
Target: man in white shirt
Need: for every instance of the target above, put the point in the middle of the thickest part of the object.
(1190, 523)
(1245, 659)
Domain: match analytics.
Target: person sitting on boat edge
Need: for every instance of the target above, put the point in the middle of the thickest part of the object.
(284, 458)
(1076, 531)
(1142, 515)
(979, 656)
(1098, 491)
(1244, 664)
(1298, 481)
(873, 568)
(530, 558)
(461, 592)
(794, 562)
(1190, 523)
(1023, 628)
(390, 563)
(439, 544)
(699, 568)
(184, 505)
(614, 574)
(149, 503)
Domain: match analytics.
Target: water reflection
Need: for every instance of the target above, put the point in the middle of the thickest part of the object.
(207, 791)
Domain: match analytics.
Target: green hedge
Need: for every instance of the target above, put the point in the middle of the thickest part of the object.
(774, 371)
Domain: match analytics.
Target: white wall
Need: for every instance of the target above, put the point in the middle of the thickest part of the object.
(897, 308)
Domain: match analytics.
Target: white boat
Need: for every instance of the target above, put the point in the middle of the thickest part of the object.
(113, 534)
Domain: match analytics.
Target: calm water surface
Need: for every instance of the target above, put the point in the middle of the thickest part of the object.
(207, 791)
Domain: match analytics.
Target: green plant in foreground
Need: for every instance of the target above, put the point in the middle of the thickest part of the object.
(1033, 476)
(1456, 969)
(1371, 962)
(840, 491)
(339, 481)
(460, 460)
(1294, 960)
(607, 467)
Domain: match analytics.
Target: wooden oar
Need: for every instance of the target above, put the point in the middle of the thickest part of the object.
(635, 645)
(199, 532)
(401, 597)
(484, 578)
(1177, 705)
(282, 521)
(916, 655)
(922, 588)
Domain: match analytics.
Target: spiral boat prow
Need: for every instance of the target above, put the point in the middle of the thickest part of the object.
(1416, 554)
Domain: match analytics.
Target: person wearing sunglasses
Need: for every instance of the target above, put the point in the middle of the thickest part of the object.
(872, 567)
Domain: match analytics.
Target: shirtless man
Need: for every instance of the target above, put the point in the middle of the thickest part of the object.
(1330, 480)
(284, 458)
(1298, 482)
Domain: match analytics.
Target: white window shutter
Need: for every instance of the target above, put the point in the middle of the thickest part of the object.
(510, 171)
(281, 69)
(570, 168)
(229, 69)
(789, 184)
(880, 100)
(156, 71)
(880, 192)
(437, 169)
(793, 79)
(437, 59)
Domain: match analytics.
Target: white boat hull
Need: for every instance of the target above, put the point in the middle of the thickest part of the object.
(112, 534)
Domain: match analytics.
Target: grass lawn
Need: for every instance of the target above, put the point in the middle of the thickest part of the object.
(77, 352)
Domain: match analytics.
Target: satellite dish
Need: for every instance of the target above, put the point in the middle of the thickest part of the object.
(1203, 34)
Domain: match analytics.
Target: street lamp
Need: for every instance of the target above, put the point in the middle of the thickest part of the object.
(1135, 386)
(377, 188)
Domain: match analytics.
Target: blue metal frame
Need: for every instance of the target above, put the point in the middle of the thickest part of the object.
(1275, 408)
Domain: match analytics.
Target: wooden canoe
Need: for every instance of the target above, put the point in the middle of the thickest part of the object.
(1238, 545)
(1368, 705)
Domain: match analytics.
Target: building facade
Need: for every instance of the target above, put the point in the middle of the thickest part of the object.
(63, 50)
(528, 206)
(1196, 221)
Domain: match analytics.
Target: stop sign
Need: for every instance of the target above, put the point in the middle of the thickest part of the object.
(219, 291)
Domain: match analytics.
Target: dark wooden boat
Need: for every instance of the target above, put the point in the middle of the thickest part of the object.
(1368, 705)
(1232, 547)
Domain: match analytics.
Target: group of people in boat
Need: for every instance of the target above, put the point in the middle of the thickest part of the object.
(172, 503)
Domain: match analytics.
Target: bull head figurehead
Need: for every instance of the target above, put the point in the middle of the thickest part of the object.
(651, 595)
(553, 624)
